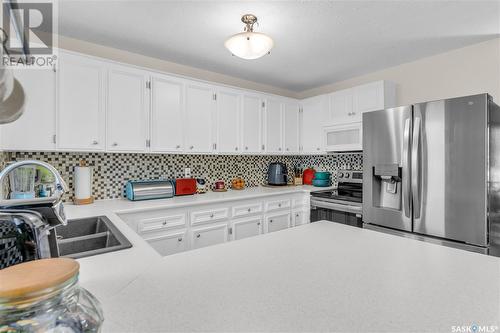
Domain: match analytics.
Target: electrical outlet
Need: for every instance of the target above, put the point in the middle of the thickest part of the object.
(187, 172)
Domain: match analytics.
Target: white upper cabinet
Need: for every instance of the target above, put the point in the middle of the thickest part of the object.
(348, 105)
(80, 112)
(166, 114)
(251, 125)
(128, 109)
(374, 96)
(36, 128)
(291, 132)
(314, 111)
(341, 107)
(199, 118)
(228, 121)
(274, 126)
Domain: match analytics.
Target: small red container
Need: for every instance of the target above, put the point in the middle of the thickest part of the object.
(308, 176)
(185, 186)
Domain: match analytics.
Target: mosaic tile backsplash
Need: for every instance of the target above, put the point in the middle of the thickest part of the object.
(113, 170)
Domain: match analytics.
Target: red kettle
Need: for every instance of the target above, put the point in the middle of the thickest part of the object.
(308, 176)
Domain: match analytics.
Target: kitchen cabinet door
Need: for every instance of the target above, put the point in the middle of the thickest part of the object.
(36, 128)
(228, 121)
(251, 125)
(248, 227)
(277, 221)
(291, 132)
(169, 244)
(206, 236)
(167, 104)
(313, 116)
(341, 108)
(81, 110)
(199, 118)
(298, 218)
(373, 96)
(128, 109)
(274, 127)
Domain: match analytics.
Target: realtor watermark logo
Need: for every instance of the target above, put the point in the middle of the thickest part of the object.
(474, 328)
(28, 34)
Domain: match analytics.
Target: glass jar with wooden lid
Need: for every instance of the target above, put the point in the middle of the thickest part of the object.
(44, 296)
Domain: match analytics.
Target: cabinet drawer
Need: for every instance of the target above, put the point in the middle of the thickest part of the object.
(206, 236)
(247, 209)
(211, 215)
(161, 223)
(277, 204)
(169, 244)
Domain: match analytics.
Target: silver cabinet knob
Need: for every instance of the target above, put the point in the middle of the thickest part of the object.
(198, 236)
(246, 148)
(95, 142)
(258, 223)
(115, 144)
(279, 148)
(164, 223)
(191, 147)
(236, 148)
(211, 216)
(279, 205)
(270, 221)
(287, 149)
(179, 239)
(178, 146)
(297, 215)
(249, 210)
(317, 148)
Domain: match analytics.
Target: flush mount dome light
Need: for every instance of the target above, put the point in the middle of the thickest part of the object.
(249, 44)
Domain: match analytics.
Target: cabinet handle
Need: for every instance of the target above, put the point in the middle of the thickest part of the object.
(236, 148)
(198, 236)
(164, 223)
(249, 210)
(279, 205)
(279, 148)
(297, 215)
(287, 149)
(258, 223)
(317, 148)
(211, 216)
(246, 148)
(191, 147)
(95, 142)
(178, 146)
(179, 239)
(114, 144)
(270, 221)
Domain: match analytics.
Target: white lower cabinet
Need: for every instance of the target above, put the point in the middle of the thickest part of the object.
(209, 235)
(172, 230)
(247, 227)
(277, 221)
(170, 243)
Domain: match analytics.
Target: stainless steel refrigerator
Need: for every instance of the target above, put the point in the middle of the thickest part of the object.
(432, 171)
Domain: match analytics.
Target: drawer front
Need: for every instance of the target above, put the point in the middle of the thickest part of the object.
(277, 204)
(169, 244)
(161, 223)
(208, 216)
(247, 227)
(247, 209)
(206, 236)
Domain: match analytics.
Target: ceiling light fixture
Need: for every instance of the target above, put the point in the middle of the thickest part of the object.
(249, 44)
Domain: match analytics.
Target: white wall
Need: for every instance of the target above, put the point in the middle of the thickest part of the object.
(465, 71)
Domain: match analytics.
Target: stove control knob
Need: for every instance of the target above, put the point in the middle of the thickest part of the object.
(346, 175)
(341, 175)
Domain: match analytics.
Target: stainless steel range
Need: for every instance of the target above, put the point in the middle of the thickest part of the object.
(343, 204)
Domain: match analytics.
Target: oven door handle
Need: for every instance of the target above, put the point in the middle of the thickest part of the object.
(336, 206)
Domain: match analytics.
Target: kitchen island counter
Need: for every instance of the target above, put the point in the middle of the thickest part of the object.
(317, 277)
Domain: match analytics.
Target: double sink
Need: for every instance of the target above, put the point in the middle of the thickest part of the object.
(89, 236)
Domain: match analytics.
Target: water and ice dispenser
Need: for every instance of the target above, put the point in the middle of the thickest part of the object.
(386, 187)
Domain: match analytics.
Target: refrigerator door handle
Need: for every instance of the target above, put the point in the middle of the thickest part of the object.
(415, 167)
(406, 168)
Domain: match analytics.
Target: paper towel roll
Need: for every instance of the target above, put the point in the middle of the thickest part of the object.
(83, 182)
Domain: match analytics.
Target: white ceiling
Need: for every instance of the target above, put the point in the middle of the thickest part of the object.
(316, 42)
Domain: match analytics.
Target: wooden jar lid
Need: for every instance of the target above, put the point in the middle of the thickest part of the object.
(34, 276)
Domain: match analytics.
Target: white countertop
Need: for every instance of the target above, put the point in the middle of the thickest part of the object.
(317, 277)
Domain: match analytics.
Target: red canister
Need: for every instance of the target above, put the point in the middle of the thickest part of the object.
(308, 176)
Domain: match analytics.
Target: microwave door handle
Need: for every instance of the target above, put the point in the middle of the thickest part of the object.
(406, 168)
(415, 167)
